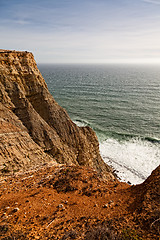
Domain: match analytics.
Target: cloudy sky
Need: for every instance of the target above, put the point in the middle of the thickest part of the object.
(82, 31)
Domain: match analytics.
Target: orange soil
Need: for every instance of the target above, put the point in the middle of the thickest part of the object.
(70, 202)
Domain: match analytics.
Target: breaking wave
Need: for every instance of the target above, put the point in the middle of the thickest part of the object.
(133, 160)
(132, 157)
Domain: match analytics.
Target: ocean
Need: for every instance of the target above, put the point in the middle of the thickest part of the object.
(121, 103)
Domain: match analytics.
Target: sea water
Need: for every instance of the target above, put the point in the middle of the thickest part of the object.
(121, 103)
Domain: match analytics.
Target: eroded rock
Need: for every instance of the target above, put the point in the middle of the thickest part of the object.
(33, 124)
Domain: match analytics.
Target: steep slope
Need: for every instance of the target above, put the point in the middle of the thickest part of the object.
(72, 202)
(18, 152)
(146, 206)
(25, 95)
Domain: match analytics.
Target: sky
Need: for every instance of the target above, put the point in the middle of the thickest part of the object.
(83, 31)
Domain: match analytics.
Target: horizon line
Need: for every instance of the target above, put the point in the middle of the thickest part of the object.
(99, 63)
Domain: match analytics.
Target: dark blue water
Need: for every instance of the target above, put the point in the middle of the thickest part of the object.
(122, 105)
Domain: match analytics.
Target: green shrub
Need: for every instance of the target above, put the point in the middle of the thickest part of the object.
(129, 234)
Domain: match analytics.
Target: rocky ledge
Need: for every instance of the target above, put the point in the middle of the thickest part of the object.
(34, 129)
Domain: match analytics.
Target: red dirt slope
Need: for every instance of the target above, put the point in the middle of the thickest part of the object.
(75, 203)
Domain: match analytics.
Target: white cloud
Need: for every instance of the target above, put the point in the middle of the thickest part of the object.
(96, 36)
(83, 47)
(157, 2)
(17, 21)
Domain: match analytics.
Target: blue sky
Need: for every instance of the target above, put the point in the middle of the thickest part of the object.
(86, 31)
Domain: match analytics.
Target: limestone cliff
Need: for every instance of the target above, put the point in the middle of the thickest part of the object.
(34, 128)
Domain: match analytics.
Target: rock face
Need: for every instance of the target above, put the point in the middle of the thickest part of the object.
(18, 151)
(147, 202)
(34, 128)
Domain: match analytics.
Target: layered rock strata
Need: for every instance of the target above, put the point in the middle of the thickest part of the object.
(34, 128)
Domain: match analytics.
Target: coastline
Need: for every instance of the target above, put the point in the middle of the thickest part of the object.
(54, 183)
(119, 111)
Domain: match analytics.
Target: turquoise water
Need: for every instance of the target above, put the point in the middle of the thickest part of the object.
(122, 105)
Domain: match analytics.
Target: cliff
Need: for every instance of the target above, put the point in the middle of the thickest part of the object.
(44, 199)
(34, 129)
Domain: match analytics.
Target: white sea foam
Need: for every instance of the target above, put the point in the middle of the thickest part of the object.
(80, 123)
(133, 160)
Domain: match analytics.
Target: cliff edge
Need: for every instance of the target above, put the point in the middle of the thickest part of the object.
(34, 129)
